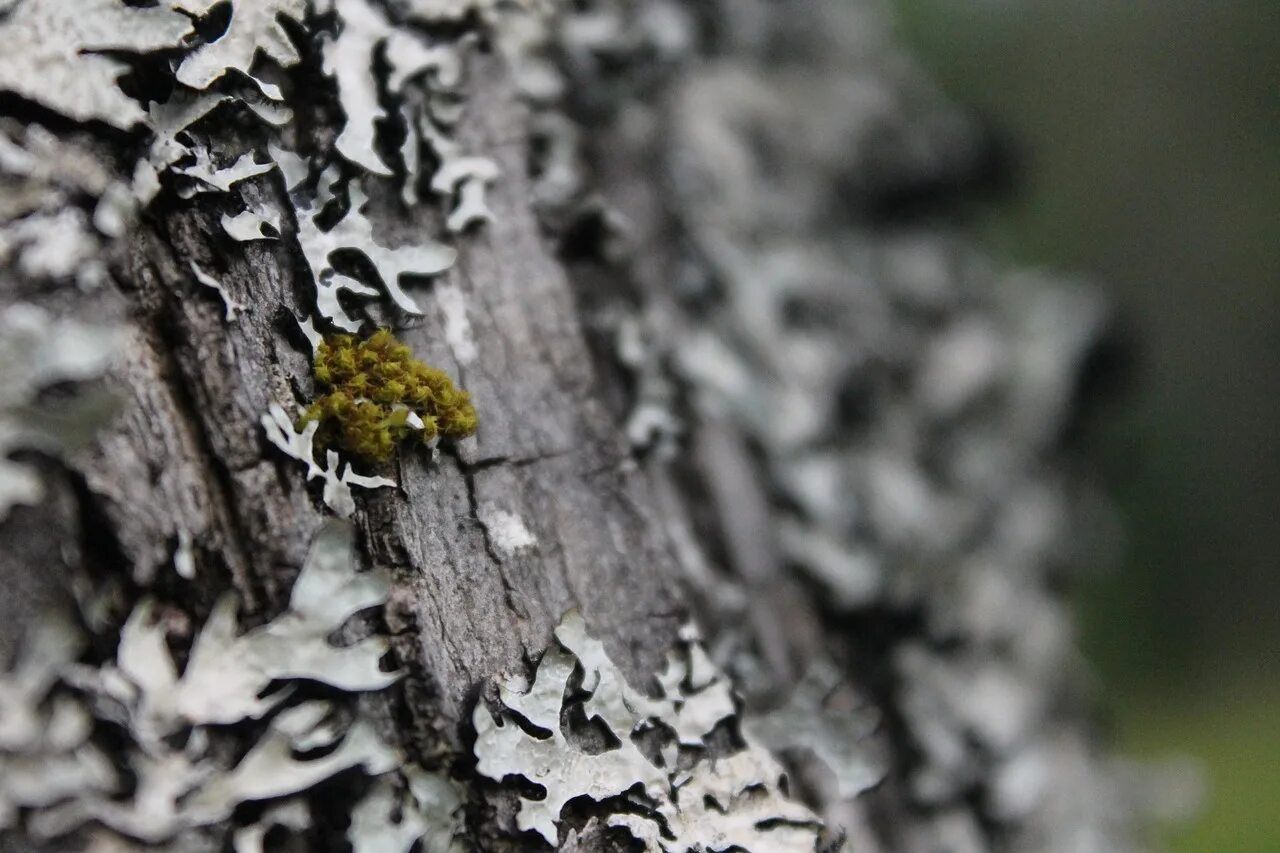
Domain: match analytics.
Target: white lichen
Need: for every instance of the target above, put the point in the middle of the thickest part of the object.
(61, 205)
(294, 815)
(355, 233)
(37, 350)
(815, 723)
(307, 327)
(561, 769)
(225, 681)
(232, 307)
(169, 122)
(727, 804)
(254, 223)
(208, 177)
(184, 558)
(430, 815)
(652, 423)
(506, 532)
(461, 179)
(45, 756)
(271, 770)
(457, 325)
(58, 53)
(254, 28)
(338, 479)
(227, 673)
(56, 245)
(670, 806)
(364, 28)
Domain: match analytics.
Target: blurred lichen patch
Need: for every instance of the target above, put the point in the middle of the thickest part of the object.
(380, 395)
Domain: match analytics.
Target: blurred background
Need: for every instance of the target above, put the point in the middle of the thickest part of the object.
(1145, 143)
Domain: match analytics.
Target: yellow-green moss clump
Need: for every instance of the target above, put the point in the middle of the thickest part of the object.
(375, 386)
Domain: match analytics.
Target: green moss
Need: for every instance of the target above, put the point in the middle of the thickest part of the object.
(375, 385)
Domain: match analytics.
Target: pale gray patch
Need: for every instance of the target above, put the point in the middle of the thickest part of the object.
(331, 308)
(231, 306)
(560, 178)
(961, 709)
(37, 349)
(301, 446)
(652, 423)
(270, 111)
(114, 210)
(39, 156)
(457, 325)
(349, 60)
(51, 52)
(355, 232)
(852, 575)
(177, 791)
(466, 179)
(437, 11)
(955, 831)
(745, 787)
(293, 168)
(153, 815)
(184, 560)
(308, 328)
(45, 756)
(733, 803)
(553, 763)
(411, 155)
(45, 234)
(167, 122)
(270, 769)
(223, 682)
(837, 736)
(56, 245)
(430, 813)
(963, 363)
(254, 28)
(252, 224)
(209, 178)
(337, 491)
(373, 829)
(506, 531)
(294, 815)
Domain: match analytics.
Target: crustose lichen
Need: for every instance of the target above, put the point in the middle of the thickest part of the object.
(380, 395)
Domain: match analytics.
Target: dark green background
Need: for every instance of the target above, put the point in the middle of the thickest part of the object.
(1148, 136)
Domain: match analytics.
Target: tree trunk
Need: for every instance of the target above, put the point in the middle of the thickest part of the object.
(734, 363)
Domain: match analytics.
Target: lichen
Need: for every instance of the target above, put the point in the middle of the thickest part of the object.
(50, 769)
(254, 27)
(380, 395)
(45, 755)
(682, 796)
(38, 350)
(355, 232)
(64, 55)
(300, 445)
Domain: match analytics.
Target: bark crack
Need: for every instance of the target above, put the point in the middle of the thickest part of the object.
(473, 505)
(159, 326)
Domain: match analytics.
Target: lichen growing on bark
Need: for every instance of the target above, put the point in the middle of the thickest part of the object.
(380, 395)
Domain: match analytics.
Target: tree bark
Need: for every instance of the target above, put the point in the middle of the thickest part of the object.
(939, 388)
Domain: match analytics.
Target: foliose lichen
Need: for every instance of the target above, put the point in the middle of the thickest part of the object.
(380, 395)
(677, 795)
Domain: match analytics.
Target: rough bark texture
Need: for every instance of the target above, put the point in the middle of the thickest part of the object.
(849, 170)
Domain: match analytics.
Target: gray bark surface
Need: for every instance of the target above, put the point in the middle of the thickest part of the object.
(636, 542)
